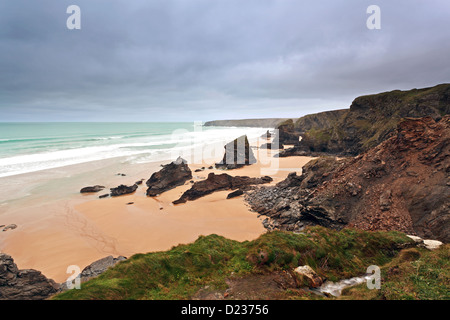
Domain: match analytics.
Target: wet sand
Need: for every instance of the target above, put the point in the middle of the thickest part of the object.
(69, 228)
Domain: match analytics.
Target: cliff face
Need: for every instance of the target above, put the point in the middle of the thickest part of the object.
(402, 184)
(260, 123)
(322, 120)
(369, 121)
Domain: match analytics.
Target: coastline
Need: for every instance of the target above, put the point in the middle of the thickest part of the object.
(68, 228)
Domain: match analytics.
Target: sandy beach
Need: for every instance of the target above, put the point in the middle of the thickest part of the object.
(59, 227)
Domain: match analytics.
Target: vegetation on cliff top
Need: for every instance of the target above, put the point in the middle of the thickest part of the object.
(183, 271)
(415, 274)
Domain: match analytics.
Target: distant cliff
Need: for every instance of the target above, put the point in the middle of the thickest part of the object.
(260, 123)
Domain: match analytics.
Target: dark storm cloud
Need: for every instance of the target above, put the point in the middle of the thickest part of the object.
(208, 59)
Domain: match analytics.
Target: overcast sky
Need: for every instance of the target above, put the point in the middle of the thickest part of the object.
(188, 60)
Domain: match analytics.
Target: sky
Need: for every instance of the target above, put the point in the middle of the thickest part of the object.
(200, 60)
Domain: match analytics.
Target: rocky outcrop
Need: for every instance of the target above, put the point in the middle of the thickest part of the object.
(401, 184)
(220, 182)
(92, 189)
(170, 176)
(122, 190)
(98, 267)
(238, 153)
(286, 133)
(95, 269)
(290, 132)
(25, 284)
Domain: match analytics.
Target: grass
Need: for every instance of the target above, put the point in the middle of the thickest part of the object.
(180, 272)
(415, 274)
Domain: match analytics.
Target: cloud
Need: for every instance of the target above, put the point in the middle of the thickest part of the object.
(175, 60)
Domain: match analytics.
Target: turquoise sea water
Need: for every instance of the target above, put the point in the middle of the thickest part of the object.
(29, 147)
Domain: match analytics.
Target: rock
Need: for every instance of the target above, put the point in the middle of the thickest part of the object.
(170, 176)
(432, 244)
(219, 182)
(235, 194)
(123, 189)
(104, 196)
(354, 189)
(417, 240)
(267, 135)
(198, 170)
(139, 182)
(429, 244)
(10, 227)
(130, 203)
(26, 284)
(238, 153)
(385, 200)
(210, 167)
(270, 146)
(98, 267)
(313, 279)
(95, 269)
(92, 189)
(286, 133)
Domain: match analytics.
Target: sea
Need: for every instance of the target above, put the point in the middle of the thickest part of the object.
(31, 147)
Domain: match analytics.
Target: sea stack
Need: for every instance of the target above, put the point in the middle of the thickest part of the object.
(238, 153)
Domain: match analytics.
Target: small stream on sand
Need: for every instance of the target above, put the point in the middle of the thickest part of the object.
(335, 288)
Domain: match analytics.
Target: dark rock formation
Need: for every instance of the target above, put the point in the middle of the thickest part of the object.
(26, 284)
(400, 184)
(286, 133)
(123, 189)
(238, 153)
(170, 176)
(219, 182)
(104, 196)
(235, 194)
(96, 188)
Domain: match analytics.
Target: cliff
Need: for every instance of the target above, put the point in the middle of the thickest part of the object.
(262, 123)
(402, 184)
(370, 120)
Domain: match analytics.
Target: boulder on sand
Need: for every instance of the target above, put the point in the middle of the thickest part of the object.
(90, 189)
(170, 176)
(235, 194)
(123, 189)
(238, 153)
